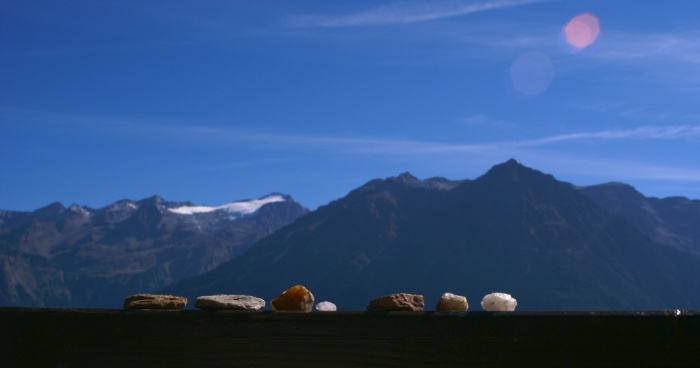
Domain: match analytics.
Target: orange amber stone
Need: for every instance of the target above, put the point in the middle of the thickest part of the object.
(296, 298)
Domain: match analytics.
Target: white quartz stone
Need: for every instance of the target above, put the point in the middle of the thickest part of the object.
(499, 302)
(325, 307)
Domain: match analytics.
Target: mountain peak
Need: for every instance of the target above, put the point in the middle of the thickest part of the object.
(554, 246)
(407, 181)
(80, 210)
(156, 199)
(406, 178)
(513, 171)
(511, 164)
(46, 212)
(53, 207)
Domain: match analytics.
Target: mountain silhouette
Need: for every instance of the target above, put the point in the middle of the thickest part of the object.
(76, 256)
(513, 230)
(672, 221)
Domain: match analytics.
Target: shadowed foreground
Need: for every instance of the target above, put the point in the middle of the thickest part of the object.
(119, 338)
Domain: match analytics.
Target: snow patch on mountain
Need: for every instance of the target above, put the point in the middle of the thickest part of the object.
(79, 210)
(234, 208)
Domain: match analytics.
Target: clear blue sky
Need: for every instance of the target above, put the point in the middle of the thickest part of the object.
(215, 101)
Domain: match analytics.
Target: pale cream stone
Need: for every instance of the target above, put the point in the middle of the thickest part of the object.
(452, 302)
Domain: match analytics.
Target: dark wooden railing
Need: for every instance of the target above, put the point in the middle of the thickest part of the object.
(189, 338)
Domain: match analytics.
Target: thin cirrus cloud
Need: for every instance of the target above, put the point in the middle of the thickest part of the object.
(406, 13)
(603, 168)
(527, 149)
(222, 135)
(541, 152)
(666, 46)
(680, 132)
(413, 147)
(608, 168)
(667, 58)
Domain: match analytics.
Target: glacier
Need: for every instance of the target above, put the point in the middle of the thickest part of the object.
(234, 208)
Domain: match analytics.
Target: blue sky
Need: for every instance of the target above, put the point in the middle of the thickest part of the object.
(215, 101)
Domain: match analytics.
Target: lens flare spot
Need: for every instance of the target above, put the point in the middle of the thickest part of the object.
(582, 31)
(530, 75)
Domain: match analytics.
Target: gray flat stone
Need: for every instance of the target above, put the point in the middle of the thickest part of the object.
(229, 302)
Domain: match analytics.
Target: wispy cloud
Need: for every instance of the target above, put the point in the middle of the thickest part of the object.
(587, 170)
(202, 134)
(409, 147)
(634, 110)
(638, 46)
(482, 120)
(662, 58)
(542, 152)
(680, 132)
(407, 12)
(314, 142)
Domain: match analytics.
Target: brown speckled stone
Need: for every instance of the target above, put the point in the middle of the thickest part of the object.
(397, 302)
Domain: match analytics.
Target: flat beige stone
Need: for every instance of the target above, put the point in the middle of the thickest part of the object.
(152, 301)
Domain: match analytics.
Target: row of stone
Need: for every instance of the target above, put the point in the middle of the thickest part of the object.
(298, 298)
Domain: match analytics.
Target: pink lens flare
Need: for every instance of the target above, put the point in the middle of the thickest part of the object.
(582, 30)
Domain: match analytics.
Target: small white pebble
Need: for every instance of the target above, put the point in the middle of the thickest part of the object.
(499, 302)
(325, 307)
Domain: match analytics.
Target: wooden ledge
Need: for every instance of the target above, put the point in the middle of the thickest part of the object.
(188, 338)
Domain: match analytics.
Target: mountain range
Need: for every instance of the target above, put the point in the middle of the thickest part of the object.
(77, 256)
(672, 221)
(550, 244)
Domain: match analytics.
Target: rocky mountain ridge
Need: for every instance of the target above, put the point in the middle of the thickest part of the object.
(83, 257)
(671, 221)
(514, 230)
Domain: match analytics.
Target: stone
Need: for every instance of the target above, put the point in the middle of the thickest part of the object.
(451, 302)
(326, 307)
(229, 302)
(499, 302)
(296, 298)
(397, 302)
(152, 301)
